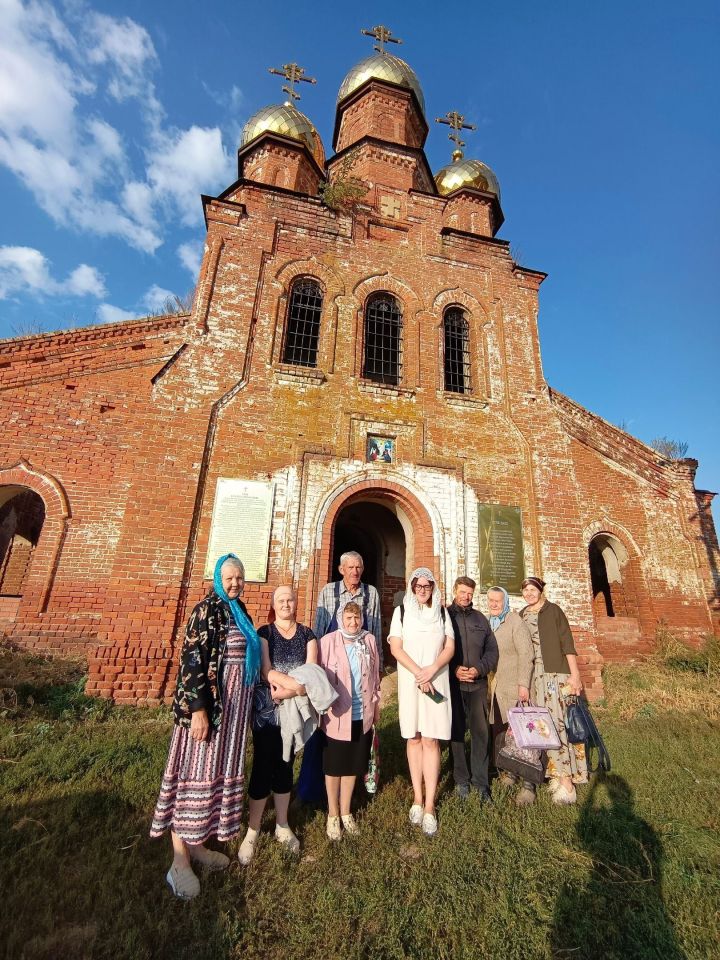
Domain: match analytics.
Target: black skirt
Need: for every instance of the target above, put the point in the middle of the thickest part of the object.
(348, 758)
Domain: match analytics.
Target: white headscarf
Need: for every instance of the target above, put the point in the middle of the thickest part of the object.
(412, 605)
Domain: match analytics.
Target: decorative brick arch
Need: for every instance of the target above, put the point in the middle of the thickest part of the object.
(386, 283)
(334, 287)
(462, 298)
(49, 546)
(427, 548)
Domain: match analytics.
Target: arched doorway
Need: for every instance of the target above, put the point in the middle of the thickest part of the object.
(608, 566)
(22, 515)
(378, 530)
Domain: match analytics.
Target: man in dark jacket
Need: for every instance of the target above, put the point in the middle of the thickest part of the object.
(476, 655)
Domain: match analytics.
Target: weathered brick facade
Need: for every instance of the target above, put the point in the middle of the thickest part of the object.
(124, 430)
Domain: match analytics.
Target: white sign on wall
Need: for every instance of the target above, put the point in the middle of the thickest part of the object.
(241, 523)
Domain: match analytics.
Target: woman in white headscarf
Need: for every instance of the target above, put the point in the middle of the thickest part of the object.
(422, 641)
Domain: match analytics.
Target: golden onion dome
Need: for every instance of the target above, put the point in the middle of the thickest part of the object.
(382, 66)
(286, 120)
(463, 172)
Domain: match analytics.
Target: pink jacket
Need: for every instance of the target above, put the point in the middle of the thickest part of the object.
(334, 660)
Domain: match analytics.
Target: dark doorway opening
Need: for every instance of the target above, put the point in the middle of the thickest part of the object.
(375, 532)
(22, 514)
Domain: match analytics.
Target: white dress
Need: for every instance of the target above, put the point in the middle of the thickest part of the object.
(423, 635)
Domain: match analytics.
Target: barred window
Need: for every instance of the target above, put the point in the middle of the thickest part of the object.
(383, 340)
(457, 351)
(303, 324)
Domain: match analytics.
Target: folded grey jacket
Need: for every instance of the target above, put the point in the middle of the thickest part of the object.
(299, 715)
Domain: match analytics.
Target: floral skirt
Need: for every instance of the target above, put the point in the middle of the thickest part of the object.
(569, 760)
(204, 781)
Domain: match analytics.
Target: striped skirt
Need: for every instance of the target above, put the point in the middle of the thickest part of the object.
(204, 781)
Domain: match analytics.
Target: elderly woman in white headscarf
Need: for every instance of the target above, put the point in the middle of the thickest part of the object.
(422, 641)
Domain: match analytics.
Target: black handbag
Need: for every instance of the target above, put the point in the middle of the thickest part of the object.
(580, 727)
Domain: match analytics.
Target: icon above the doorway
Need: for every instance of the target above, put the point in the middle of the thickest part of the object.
(380, 449)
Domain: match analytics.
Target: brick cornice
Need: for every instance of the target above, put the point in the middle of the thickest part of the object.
(622, 448)
(70, 340)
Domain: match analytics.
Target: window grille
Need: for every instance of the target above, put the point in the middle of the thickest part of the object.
(383, 343)
(457, 351)
(303, 324)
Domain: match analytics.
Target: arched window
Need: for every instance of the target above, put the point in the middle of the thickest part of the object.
(383, 340)
(302, 329)
(457, 351)
(22, 515)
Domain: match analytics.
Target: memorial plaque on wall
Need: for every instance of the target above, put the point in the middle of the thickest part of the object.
(241, 522)
(502, 559)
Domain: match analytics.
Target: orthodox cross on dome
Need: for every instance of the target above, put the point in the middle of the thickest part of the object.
(293, 73)
(383, 35)
(457, 122)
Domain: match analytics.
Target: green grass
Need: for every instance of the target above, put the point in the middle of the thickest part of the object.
(631, 872)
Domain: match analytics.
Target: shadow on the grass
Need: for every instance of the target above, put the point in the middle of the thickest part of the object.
(619, 912)
(82, 879)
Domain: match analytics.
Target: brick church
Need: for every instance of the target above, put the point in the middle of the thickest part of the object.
(361, 369)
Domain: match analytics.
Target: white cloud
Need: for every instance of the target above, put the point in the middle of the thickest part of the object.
(156, 298)
(184, 166)
(190, 255)
(107, 313)
(86, 281)
(53, 137)
(26, 270)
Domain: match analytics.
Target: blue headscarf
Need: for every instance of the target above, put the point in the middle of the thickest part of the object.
(496, 621)
(242, 622)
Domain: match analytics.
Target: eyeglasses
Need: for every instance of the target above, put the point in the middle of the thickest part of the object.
(424, 586)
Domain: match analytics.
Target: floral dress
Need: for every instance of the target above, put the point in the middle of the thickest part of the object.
(549, 691)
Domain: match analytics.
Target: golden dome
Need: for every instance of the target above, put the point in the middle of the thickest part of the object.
(286, 120)
(382, 66)
(466, 173)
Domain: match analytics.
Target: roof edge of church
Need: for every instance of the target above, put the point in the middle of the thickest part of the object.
(95, 331)
(566, 405)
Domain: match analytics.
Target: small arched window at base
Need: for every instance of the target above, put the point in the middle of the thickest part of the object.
(457, 351)
(382, 361)
(302, 330)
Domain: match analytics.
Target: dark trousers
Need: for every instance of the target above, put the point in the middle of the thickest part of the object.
(474, 706)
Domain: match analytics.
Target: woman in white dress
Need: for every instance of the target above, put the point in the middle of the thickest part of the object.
(422, 641)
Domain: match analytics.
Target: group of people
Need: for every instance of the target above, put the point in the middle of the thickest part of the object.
(291, 686)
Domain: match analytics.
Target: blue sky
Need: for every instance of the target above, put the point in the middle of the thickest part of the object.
(600, 121)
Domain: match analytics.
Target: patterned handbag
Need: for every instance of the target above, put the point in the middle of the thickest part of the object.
(526, 764)
(533, 728)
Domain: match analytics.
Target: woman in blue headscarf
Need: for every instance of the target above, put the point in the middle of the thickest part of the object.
(203, 785)
(513, 675)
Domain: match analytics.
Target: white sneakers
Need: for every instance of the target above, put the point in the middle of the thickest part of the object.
(350, 824)
(336, 825)
(183, 882)
(247, 847)
(426, 821)
(212, 859)
(429, 824)
(333, 829)
(564, 797)
(287, 838)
